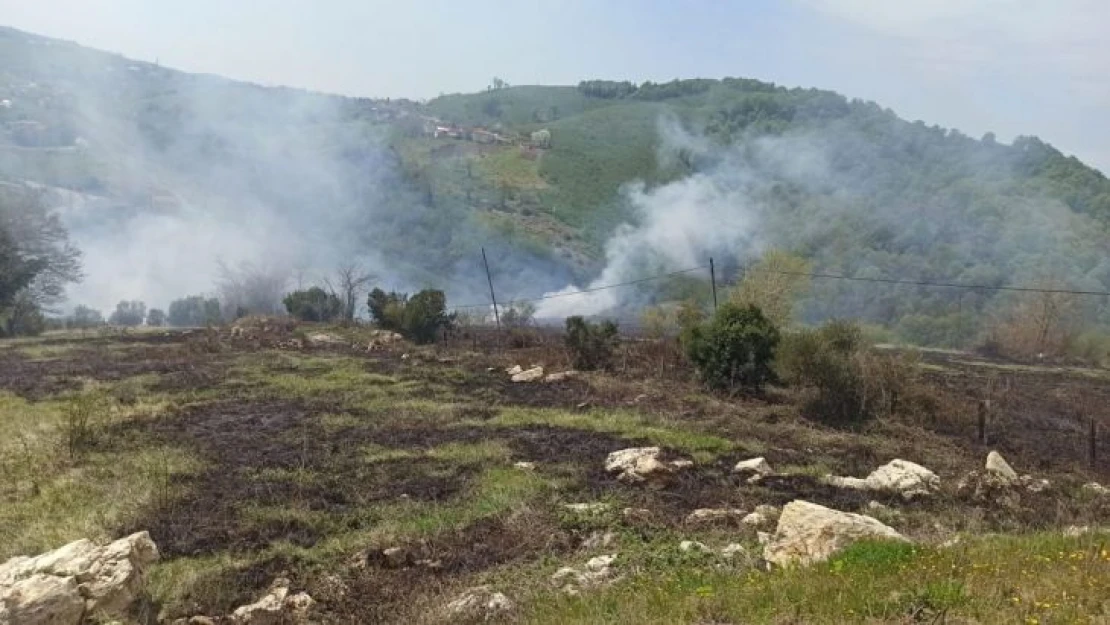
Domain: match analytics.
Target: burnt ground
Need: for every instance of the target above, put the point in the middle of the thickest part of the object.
(264, 452)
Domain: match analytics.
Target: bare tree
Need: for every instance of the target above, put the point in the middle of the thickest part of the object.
(348, 284)
(251, 288)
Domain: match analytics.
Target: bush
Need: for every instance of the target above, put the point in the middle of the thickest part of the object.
(155, 318)
(591, 345)
(420, 318)
(850, 381)
(315, 304)
(734, 349)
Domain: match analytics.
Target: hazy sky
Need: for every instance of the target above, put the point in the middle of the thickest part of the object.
(1010, 66)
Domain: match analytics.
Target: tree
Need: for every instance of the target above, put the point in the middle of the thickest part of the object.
(314, 304)
(591, 345)
(156, 318)
(497, 84)
(251, 289)
(194, 311)
(84, 317)
(774, 284)
(734, 349)
(36, 262)
(349, 284)
(128, 314)
(36, 237)
(419, 318)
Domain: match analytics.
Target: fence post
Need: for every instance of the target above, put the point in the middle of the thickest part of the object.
(713, 281)
(1093, 444)
(984, 407)
(496, 315)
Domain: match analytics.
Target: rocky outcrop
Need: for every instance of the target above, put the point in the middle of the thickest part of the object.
(762, 516)
(477, 603)
(561, 376)
(74, 582)
(809, 533)
(900, 477)
(637, 464)
(1096, 489)
(276, 607)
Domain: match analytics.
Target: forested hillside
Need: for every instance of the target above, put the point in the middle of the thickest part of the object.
(628, 180)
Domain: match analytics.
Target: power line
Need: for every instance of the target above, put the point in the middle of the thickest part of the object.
(596, 288)
(950, 285)
(829, 276)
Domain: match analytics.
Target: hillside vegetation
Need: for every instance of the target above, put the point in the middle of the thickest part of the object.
(844, 183)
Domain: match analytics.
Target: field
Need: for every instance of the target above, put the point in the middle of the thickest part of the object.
(266, 454)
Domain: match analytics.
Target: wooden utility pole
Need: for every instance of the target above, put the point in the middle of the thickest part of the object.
(713, 281)
(492, 296)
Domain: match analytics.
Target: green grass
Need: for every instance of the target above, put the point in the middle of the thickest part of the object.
(702, 447)
(1041, 578)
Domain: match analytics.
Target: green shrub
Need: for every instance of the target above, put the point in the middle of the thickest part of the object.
(420, 318)
(315, 304)
(849, 380)
(591, 345)
(734, 349)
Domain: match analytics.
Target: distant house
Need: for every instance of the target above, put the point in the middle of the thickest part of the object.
(481, 135)
(541, 138)
(448, 131)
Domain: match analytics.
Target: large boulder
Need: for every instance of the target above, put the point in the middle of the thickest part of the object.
(753, 466)
(905, 478)
(529, 375)
(809, 533)
(636, 464)
(102, 580)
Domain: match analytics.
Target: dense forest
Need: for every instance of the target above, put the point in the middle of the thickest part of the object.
(308, 179)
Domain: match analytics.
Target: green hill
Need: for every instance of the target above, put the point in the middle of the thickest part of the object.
(843, 182)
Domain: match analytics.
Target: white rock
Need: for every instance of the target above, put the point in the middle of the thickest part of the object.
(107, 578)
(905, 478)
(636, 464)
(598, 563)
(529, 375)
(41, 599)
(322, 338)
(1095, 488)
(839, 481)
(276, 607)
(755, 519)
(682, 464)
(693, 545)
(1076, 531)
(480, 602)
(525, 466)
(714, 515)
(635, 513)
(1000, 469)
(763, 537)
(732, 550)
(810, 533)
(514, 370)
(561, 376)
(1035, 485)
(759, 466)
(396, 556)
(587, 508)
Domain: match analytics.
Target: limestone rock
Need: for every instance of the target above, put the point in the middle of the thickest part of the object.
(596, 507)
(681, 464)
(561, 376)
(1094, 488)
(529, 375)
(758, 466)
(1034, 485)
(763, 515)
(905, 478)
(809, 533)
(1075, 531)
(277, 607)
(714, 515)
(323, 339)
(514, 370)
(1000, 469)
(525, 466)
(41, 599)
(596, 572)
(693, 545)
(107, 578)
(733, 550)
(480, 602)
(636, 464)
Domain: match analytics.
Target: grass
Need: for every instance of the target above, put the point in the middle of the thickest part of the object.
(1041, 578)
(702, 447)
